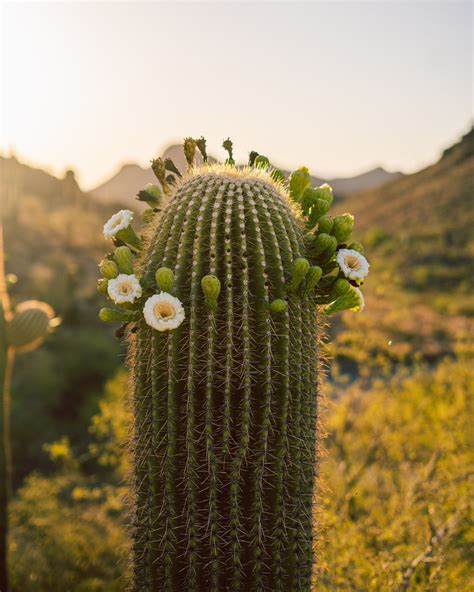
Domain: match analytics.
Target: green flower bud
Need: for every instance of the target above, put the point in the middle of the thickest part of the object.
(340, 288)
(300, 269)
(110, 315)
(325, 192)
(325, 224)
(312, 278)
(357, 246)
(320, 207)
(164, 279)
(321, 243)
(329, 251)
(102, 286)
(29, 325)
(277, 176)
(307, 200)
(124, 259)
(278, 306)
(262, 162)
(211, 287)
(108, 269)
(154, 191)
(349, 298)
(342, 228)
(152, 195)
(299, 180)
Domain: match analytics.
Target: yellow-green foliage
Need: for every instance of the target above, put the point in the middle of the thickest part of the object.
(397, 474)
(67, 530)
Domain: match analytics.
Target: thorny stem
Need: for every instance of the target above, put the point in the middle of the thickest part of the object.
(6, 367)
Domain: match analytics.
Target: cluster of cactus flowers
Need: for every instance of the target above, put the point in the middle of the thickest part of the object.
(221, 298)
(22, 329)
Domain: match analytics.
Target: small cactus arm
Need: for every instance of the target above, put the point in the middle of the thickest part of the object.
(20, 330)
(224, 337)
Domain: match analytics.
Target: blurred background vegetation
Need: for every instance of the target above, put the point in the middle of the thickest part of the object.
(395, 493)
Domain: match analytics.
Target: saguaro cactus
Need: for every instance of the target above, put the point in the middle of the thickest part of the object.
(20, 330)
(222, 321)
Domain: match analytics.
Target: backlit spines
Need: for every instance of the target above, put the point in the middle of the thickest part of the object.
(224, 402)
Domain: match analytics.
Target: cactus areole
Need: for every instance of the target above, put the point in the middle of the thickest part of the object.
(225, 379)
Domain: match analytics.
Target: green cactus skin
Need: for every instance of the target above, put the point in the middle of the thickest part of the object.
(225, 405)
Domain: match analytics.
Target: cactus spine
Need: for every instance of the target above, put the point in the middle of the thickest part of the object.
(20, 330)
(225, 402)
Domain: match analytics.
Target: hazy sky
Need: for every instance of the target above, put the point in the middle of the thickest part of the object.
(339, 86)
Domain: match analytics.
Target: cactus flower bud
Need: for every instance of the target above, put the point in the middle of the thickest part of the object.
(329, 251)
(154, 191)
(307, 200)
(325, 224)
(124, 259)
(340, 288)
(262, 162)
(158, 167)
(252, 157)
(189, 150)
(312, 278)
(201, 146)
(228, 147)
(170, 166)
(108, 269)
(357, 246)
(300, 269)
(320, 207)
(299, 180)
(211, 287)
(152, 195)
(164, 279)
(325, 192)
(342, 227)
(278, 306)
(109, 315)
(351, 299)
(102, 286)
(320, 243)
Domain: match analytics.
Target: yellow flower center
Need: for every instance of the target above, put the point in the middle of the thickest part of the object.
(125, 288)
(352, 262)
(116, 222)
(164, 310)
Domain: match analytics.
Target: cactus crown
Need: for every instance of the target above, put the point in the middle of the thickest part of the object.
(223, 333)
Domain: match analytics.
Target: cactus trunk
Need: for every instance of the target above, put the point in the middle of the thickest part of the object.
(225, 405)
(22, 329)
(6, 362)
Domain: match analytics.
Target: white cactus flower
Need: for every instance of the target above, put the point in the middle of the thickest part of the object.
(163, 312)
(117, 222)
(353, 264)
(124, 288)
